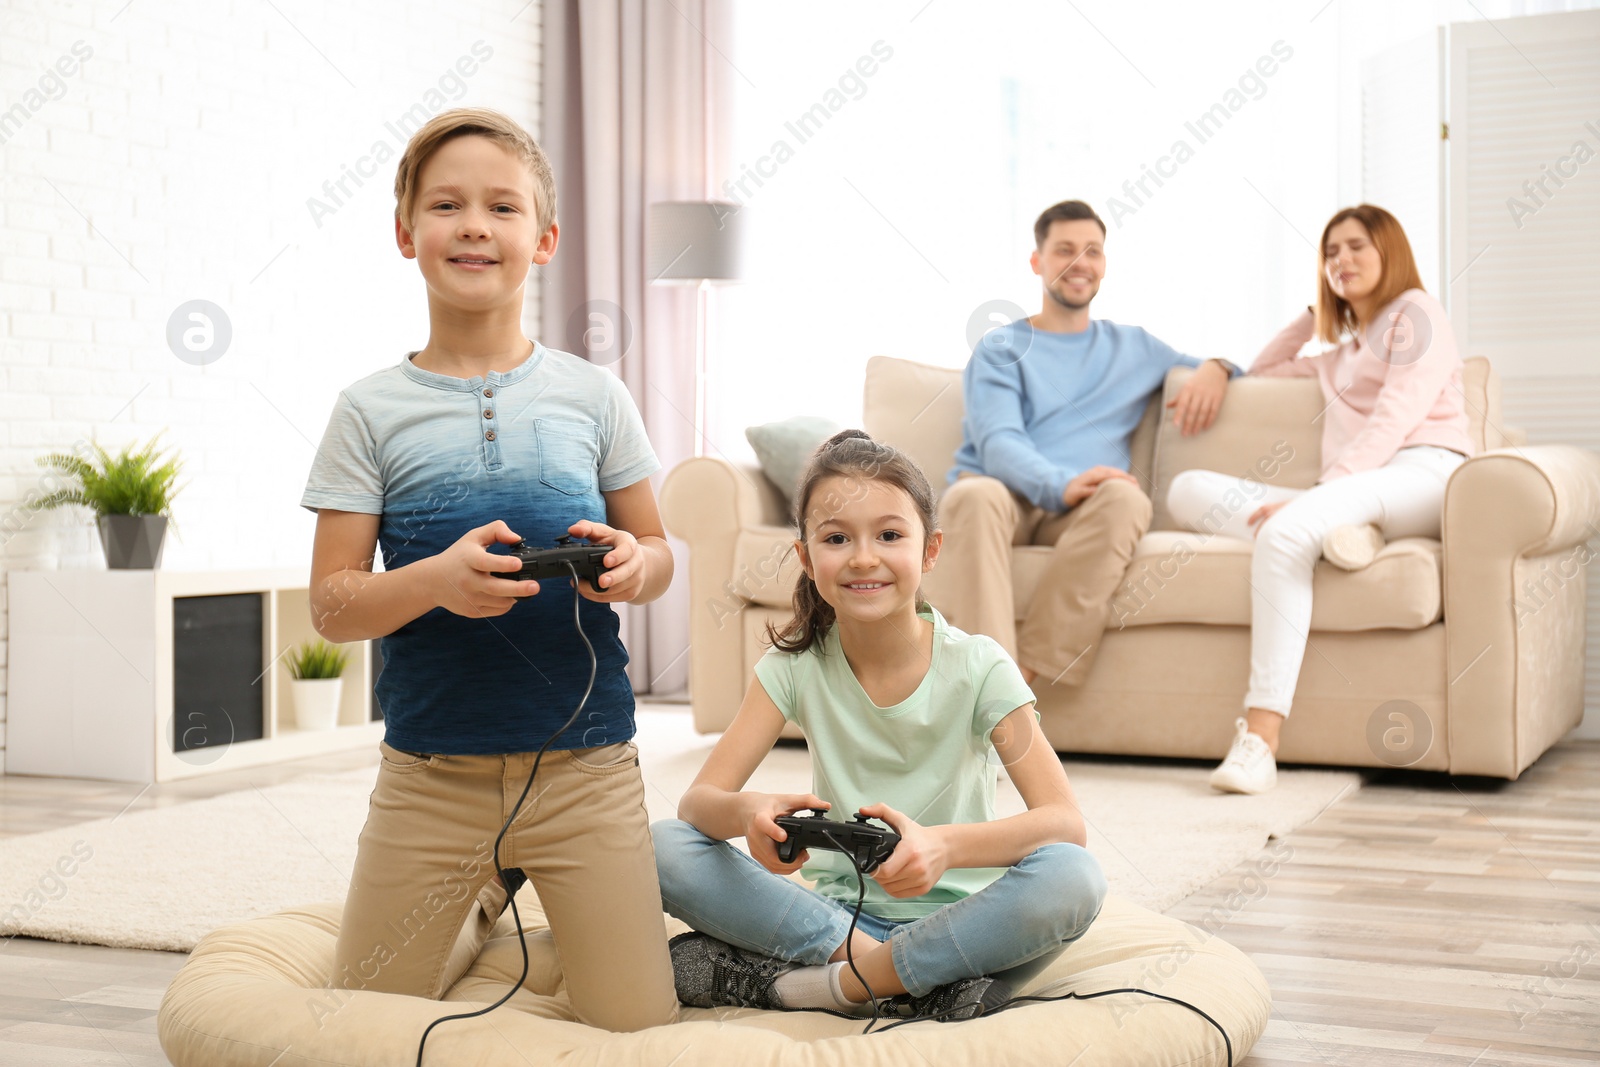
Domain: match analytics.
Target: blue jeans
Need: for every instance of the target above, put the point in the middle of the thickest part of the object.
(1011, 929)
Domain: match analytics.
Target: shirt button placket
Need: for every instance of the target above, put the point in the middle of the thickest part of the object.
(491, 430)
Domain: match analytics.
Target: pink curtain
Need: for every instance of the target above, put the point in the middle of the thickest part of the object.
(632, 95)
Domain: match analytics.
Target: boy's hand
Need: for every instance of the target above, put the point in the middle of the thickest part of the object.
(919, 860)
(466, 574)
(762, 833)
(627, 562)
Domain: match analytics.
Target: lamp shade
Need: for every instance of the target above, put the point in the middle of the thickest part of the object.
(693, 241)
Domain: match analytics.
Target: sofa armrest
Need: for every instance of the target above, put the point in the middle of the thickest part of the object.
(1516, 523)
(708, 502)
(708, 494)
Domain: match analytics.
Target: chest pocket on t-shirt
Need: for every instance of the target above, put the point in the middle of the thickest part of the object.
(569, 455)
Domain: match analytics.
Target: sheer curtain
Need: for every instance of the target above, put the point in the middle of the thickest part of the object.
(631, 92)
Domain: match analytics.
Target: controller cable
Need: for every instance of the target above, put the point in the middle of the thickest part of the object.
(877, 1005)
(513, 880)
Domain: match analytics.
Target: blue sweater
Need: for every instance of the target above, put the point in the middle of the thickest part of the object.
(1042, 408)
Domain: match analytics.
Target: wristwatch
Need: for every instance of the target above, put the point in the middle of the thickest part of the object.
(1229, 367)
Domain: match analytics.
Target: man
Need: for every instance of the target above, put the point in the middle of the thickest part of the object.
(1051, 405)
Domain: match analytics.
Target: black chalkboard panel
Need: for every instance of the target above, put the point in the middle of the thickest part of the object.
(217, 671)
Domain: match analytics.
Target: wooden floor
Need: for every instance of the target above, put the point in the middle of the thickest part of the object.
(1423, 922)
(1429, 921)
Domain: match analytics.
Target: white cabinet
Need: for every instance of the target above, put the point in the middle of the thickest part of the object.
(142, 676)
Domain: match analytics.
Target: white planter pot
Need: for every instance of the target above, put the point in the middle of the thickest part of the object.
(316, 702)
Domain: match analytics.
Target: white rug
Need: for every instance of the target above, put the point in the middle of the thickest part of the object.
(165, 877)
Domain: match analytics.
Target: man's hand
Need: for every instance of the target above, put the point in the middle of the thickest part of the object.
(1200, 399)
(628, 564)
(466, 576)
(1080, 488)
(762, 833)
(919, 860)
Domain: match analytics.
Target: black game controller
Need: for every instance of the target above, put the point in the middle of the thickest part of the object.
(867, 843)
(541, 563)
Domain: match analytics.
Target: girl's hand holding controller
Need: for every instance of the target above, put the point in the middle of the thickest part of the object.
(627, 565)
(465, 574)
(919, 860)
(762, 833)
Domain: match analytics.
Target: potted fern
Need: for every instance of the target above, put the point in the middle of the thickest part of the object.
(130, 493)
(316, 669)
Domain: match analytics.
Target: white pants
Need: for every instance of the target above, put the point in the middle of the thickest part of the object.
(1404, 498)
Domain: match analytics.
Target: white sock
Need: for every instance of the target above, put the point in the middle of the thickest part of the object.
(836, 978)
(815, 987)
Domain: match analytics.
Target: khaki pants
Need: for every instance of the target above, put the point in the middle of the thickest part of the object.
(422, 901)
(971, 585)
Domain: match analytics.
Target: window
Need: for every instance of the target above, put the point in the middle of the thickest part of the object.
(893, 158)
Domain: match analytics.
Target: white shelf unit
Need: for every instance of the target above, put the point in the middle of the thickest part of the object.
(93, 676)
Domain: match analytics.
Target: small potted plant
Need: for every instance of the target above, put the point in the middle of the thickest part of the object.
(316, 670)
(130, 493)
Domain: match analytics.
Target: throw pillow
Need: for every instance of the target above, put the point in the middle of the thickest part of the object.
(783, 448)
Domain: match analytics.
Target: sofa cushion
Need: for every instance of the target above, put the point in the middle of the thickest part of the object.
(1181, 577)
(918, 409)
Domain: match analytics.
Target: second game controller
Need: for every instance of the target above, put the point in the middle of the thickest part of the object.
(866, 842)
(541, 563)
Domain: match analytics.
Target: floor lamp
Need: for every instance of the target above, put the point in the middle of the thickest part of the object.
(699, 243)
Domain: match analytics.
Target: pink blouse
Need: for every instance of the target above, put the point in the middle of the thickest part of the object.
(1396, 386)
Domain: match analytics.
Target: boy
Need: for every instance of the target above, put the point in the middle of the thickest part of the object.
(482, 438)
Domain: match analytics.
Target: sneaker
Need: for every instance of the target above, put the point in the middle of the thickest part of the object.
(1249, 767)
(965, 998)
(713, 974)
(1352, 547)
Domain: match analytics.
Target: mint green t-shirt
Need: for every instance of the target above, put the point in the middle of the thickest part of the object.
(928, 756)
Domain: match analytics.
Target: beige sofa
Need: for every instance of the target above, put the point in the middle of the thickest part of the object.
(1464, 656)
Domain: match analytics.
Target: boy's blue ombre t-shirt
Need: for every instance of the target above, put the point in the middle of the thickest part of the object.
(436, 456)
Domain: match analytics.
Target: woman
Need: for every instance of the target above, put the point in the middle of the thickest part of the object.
(1394, 427)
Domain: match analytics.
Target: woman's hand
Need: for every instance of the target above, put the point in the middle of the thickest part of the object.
(1263, 513)
(627, 563)
(762, 832)
(919, 860)
(1200, 399)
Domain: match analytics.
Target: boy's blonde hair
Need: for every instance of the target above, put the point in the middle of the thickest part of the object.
(484, 122)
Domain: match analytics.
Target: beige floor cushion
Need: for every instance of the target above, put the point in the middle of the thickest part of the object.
(252, 995)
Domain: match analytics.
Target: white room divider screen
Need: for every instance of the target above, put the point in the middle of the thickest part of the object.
(1522, 194)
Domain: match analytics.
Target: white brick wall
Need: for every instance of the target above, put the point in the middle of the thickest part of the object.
(175, 163)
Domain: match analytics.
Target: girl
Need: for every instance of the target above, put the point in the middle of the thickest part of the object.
(905, 717)
(1394, 428)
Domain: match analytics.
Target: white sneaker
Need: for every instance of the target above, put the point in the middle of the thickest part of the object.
(1352, 547)
(1249, 767)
